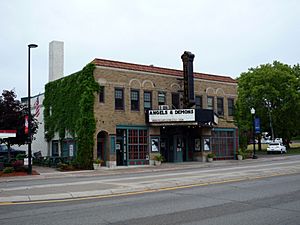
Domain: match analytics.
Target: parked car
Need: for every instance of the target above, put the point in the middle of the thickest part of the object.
(279, 140)
(276, 147)
(265, 141)
(13, 152)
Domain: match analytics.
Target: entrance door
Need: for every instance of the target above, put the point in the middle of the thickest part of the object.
(120, 151)
(164, 149)
(178, 148)
(101, 143)
(100, 148)
(121, 147)
(55, 152)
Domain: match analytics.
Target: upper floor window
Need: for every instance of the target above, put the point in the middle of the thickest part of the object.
(119, 98)
(161, 98)
(101, 94)
(175, 101)
(198, 102)
(147, 100)
(220, 106)
(230, 106)
(135, 100)
(210, 102)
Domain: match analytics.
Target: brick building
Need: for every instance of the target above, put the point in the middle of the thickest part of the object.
(140, 111)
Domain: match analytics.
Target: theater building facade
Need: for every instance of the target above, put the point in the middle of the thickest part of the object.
(141, 111)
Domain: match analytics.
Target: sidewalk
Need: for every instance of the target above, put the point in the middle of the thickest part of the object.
(51, 185)
(48, 172)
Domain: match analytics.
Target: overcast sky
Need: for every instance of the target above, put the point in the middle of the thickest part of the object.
(227, 37)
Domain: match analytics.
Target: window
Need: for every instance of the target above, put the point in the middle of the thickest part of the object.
(220, 106)
(55, 148)
(147, 100)
(135, 100)
(175, 101)
(230, 107)
(210, 103)
(161, 98)
(119, 98)
(101, 94)
(137, 144)
(198, 101)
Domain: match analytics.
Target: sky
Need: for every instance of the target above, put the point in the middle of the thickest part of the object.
(227, 37)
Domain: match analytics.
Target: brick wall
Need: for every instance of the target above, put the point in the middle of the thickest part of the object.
(110, 78)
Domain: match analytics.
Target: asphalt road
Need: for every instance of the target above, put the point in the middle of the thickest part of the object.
(274, 200)
(94, 184)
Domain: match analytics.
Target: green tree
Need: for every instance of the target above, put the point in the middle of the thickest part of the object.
(12, 117)
(274, 91)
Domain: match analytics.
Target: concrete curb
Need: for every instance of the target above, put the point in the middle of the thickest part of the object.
(172, 183)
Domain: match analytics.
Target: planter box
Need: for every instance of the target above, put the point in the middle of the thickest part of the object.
(157, 163)
(240, 157)
(96, 166)
(210, 159)
(151, 162)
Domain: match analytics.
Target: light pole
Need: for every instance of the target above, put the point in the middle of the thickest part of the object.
(253, 121)
(268, 103)
(29, 112)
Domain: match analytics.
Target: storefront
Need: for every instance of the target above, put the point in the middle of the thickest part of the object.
(184, 133)
(132, 145)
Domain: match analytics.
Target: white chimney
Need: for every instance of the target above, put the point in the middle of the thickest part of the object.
(56, 60)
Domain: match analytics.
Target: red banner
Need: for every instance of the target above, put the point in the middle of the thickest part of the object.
(26, 124)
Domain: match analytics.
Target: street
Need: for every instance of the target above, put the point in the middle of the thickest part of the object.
(62, 186)
(274, 200)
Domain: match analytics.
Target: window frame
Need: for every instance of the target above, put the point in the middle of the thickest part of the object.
(199, 106)
(158, 97)
(178, 98)
(150, 94)
(230, 109)
(213, 102)
(102, 94)
(135, 104)
(221, 112)
(122, 100)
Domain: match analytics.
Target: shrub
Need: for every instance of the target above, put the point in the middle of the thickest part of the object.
(159, 158)
(242, 152)
(20, 157)
(19, 166)
(65, 167)
(8, 170)
(211, 155)
(98, 161)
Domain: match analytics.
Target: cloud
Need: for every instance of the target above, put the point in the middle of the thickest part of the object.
(227, 37)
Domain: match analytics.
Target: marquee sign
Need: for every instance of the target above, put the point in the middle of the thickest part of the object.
(174, 115)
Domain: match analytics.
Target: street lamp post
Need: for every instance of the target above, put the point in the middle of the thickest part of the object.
(268, 103)
(29, 112)
(253, 121)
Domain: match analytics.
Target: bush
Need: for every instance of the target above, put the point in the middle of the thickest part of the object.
(8, 170)
(62, 166)
(159, 158)
(98, 161)
(65, 167)
(19, 166)
(211, 155)
(20, 157)
(242, 152)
